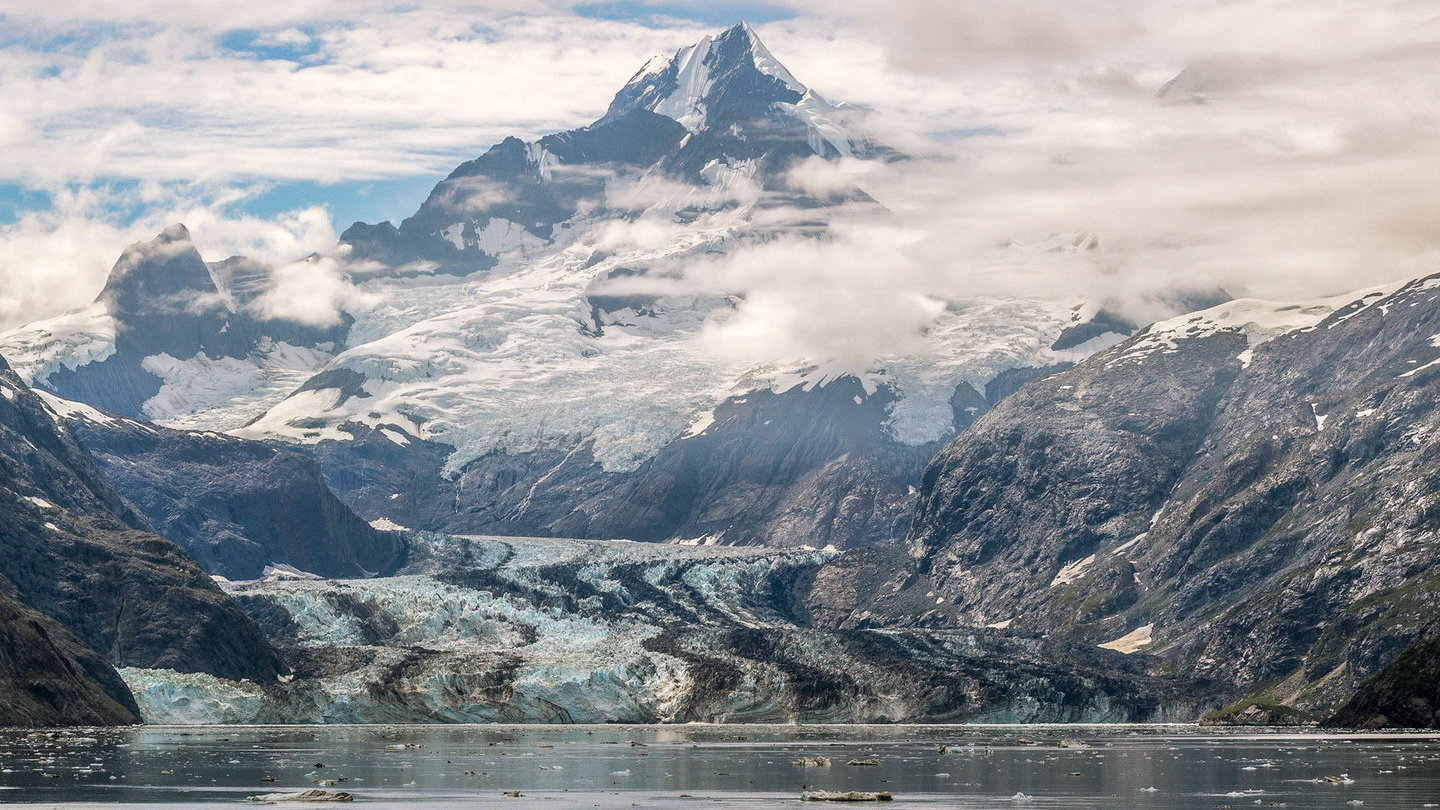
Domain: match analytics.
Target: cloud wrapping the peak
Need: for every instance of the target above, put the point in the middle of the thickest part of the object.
(314, 292)
(58, 259)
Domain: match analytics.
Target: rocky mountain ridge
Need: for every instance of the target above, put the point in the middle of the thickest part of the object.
(1247, 492)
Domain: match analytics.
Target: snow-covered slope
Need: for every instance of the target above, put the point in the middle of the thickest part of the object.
(172, 339)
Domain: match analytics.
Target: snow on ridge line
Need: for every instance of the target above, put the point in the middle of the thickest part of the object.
(692, 82)
(694, 79)
(766, 63)
(63, 409)
(1261, 321)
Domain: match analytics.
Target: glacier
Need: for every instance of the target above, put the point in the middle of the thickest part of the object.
(532, 630)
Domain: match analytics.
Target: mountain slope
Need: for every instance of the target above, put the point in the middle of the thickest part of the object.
(236, 506)
(1248, 492)
(1406, 694)
(73, 551)
(48, 678)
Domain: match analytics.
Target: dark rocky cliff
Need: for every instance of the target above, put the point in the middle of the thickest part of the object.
(236, 506)
(1405, 694)
(72, 551)
(1263, 515)
(48, 678)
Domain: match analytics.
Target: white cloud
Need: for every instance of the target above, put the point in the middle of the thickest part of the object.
(313, 291)
(855, 299)
(1292, 159)
(823, 178)
(56, 260)
(382, 94)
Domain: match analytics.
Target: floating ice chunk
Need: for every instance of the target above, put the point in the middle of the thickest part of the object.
(303, 796)
(845, 796)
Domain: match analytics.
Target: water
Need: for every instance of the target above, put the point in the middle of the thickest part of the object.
(442, 767)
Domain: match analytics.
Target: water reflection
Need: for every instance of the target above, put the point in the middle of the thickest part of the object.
(434, 767)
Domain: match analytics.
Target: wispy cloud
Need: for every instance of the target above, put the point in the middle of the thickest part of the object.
(374, 95)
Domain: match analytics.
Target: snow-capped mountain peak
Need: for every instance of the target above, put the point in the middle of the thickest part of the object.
(729, 75)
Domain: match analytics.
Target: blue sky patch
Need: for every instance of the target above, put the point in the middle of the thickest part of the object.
(718, 14)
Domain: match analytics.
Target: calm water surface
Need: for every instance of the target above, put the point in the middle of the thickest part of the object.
(692, 767)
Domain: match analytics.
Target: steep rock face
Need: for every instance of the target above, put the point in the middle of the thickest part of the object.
(535, 630)
(236, 506)
(48, 678)
(73, 551)
(1248, 492)
(1406, 694)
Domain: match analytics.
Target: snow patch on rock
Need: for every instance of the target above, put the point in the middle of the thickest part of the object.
(1073, 571)
(1132, 641)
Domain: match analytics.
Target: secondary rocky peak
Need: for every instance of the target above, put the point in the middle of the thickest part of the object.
(174, 232)
(165, 274)
(731, 75)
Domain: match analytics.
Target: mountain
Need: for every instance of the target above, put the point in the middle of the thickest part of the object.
(237, 507)
(1247, 492)
(170, 336)
(720, 112)
(85, 587)
(524, 354)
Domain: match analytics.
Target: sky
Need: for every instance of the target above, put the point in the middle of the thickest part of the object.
(1279, 148)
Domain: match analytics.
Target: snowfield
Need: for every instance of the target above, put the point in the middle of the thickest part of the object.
(510, 360)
